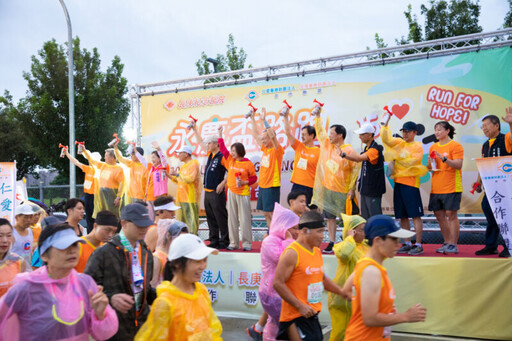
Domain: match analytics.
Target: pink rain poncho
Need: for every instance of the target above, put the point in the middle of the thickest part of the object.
(271, 249)
(40, 308)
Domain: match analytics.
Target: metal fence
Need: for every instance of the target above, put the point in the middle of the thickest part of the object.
(472, 226)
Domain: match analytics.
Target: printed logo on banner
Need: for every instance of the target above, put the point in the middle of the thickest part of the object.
(505, 168)
(169, 105)
(250, 297)
(251, 96)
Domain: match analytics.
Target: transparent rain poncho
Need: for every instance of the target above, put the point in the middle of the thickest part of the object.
(406, 156)
(347, 252)
(177, 316)
(271, 249)
(38, 307)
(10, 266)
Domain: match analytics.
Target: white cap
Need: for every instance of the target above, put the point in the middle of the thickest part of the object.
(96, 156)
(185, 149)
(168, 207)
(25, 209)
(189, 246)
(61, 240)
(365, 128)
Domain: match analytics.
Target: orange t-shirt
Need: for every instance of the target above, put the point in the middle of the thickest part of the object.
(110, 176)
(373, 155)
(356, 329)
(305, 282)
(8, 270)
(90, 180)
(304, 165)
(447, 179)
(36, 232)
(270, 170)
(244, 168)
(138, 180)
(86, 251)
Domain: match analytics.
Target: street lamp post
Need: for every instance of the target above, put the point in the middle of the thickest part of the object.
(71, 95)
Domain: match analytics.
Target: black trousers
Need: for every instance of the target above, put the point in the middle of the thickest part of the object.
(89, 209)
(217, 217)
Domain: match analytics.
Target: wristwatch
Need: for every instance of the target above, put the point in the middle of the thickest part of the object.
(343, 155)
(444, 159)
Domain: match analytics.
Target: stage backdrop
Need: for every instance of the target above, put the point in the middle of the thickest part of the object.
(460, 89)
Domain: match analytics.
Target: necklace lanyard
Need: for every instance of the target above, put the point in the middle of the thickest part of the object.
(54, 303)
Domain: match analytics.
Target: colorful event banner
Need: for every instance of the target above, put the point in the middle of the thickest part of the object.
(7, 190)
(496, 174)
(460, 89)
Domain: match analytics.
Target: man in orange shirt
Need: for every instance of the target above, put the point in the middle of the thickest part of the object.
(372, 182)
(90, 184)
(300, 281)
(306, 159)
(105, 227)
(335, 179)
(270, 167)
(110, 190)
(406, 173)
(138, 174)
(373, 309)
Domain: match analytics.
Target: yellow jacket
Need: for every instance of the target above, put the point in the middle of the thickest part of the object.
(177, 316)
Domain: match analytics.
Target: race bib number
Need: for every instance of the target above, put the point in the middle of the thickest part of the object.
(332, 166)
(315, 291)
(87, 184)
(302, 164)
(265, 162)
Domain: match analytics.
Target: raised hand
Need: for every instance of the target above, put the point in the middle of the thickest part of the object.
(155, 145)
(508, 115)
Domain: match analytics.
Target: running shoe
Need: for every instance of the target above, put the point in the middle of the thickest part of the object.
(254, 334)
(451, 249)
(404, 249)
(329, 247)
(416, 250)
(442, 248)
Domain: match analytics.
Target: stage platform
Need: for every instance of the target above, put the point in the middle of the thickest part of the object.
(467, 251)
(466, 295)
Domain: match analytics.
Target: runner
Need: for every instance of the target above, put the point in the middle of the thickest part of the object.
(348, 252)
(10, 263)
(168, 230)
(446, 191)
(164, 209)
(406, 154)
(183, 310)
(335, 179)
(305, 161)
(55, 302)
(105, 227)
(75, 210)
(188, 193)
(300, 281)
(373, 310)
(23, 237)
(283, 231)
(270, 170)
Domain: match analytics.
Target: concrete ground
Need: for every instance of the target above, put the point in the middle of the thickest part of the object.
(234, 330)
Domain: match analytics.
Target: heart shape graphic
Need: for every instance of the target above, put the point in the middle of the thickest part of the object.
(400, 110)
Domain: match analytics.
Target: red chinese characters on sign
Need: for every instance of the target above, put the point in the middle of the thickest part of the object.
(449, 106)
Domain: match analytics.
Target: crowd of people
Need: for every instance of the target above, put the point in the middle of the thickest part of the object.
(134, 272)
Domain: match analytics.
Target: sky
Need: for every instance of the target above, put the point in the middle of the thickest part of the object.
(159, 40)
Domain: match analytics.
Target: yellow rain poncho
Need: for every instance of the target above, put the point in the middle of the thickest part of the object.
(348, 252)
(177, 316)
(334, 174)
(406, 156)
(188, 194)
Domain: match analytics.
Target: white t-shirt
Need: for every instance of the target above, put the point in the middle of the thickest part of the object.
(23, 245)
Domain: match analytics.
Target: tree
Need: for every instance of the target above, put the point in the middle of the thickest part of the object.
(101, 107)
(16, 145)
(443, 19)
(233, 60)
(508, 17)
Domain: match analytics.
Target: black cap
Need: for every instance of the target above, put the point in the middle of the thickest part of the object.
(410, 126)
(137, 214)
(383, 225)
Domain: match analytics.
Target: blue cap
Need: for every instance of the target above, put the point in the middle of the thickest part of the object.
(410, 126)
(383, 225)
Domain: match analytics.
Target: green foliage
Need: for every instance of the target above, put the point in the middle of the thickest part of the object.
(16, 146)
(233, 60)
(508, 17)
(101, 107)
